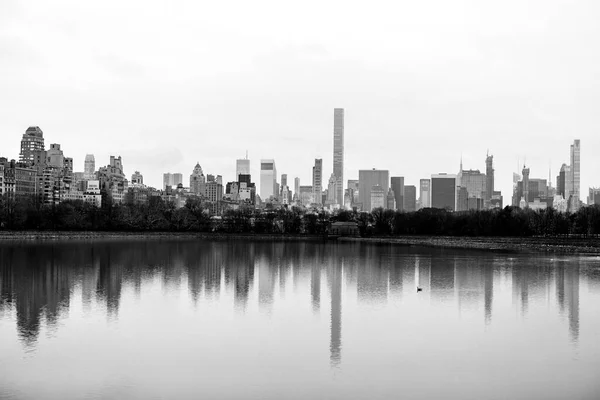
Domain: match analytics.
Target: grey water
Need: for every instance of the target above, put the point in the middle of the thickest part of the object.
(260, 320)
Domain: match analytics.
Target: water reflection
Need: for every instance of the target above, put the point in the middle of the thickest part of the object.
(37, 281)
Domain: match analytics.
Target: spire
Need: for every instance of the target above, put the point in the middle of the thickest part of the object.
(461, 162)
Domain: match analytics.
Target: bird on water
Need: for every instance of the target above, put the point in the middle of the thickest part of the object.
(419, 289)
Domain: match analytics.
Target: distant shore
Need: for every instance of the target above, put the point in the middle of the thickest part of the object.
(496, 244)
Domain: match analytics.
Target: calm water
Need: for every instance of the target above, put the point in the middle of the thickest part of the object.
(238, 320)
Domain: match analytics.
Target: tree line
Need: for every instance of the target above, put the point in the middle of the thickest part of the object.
(25, 213)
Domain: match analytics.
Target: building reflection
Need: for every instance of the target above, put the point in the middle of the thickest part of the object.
(334, 271)
(567, 295)
(37, 281)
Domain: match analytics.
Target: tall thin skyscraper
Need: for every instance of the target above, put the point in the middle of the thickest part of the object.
(489, 176)
(338, 153)
(32, 141)
(318, 180)
(575, 174)
(89, 167)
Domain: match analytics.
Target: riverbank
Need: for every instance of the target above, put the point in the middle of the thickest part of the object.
(497, 244)
(11, 236)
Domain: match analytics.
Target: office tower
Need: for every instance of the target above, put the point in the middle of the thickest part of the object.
(318, 180)
(198, 181)
(378, 197)
(177, 179)
(338, 153)
(576, 175)
(137, 178)
(443, 191)
(368, 178)
(410, 198)
(561, 182)
(89, 167)
(268, 179)
(397, 183)
(332, 190)
(489, 174)
(167, 180)
(425, 193)
(32, 141)
(391, 200)
(297, 188)
(283, 180)
(353, 190)
(594, 196)
(242, 167)
(475, 182)
(306, 195)
(525, 184)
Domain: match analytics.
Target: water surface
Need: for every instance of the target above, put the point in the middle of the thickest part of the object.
(234, 319)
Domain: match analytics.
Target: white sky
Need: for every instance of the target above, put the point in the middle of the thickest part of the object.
(167, 83)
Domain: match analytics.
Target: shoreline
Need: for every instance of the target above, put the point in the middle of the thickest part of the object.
(493, 244)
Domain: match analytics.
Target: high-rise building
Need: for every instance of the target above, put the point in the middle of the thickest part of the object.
(137, 179)
(177, 179)
(242, 167)
(391, 200)
(378, 197)
(318, 180)
(525, 194)
(89, 167)
(306, 195)
(366, 180)
(594, 197)
(198, 181)
(443, 191)
(576, 175)
(338, 153)
(489, 175)
(410, 198)
(297, 188)
(353, 191)
(268, 179)
(397, 183)
(283, 180)
(561, 182)
(32, 141)
(332, 190)
(424, 193)
(475, 182)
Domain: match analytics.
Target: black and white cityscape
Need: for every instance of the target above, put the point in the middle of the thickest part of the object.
(270, 200)
(49, 175)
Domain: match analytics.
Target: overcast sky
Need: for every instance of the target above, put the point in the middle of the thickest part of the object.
(167, 83)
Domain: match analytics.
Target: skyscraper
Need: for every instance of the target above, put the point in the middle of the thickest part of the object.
(576, 175)
(268, 179)
(89, 167)
(410, 198)
(489, 175)
(242, 167)
(198, 181)
(32, 141)
(318, 180)
(366, 180)
(297, 188)
(443, 191)
(425, 193)
(398, 188)
(338, 153)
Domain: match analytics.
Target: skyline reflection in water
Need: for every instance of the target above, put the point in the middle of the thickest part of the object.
(276, 304)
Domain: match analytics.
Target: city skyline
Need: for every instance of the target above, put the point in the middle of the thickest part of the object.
(162, 108)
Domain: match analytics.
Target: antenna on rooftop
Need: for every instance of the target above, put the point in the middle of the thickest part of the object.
(246, 154)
